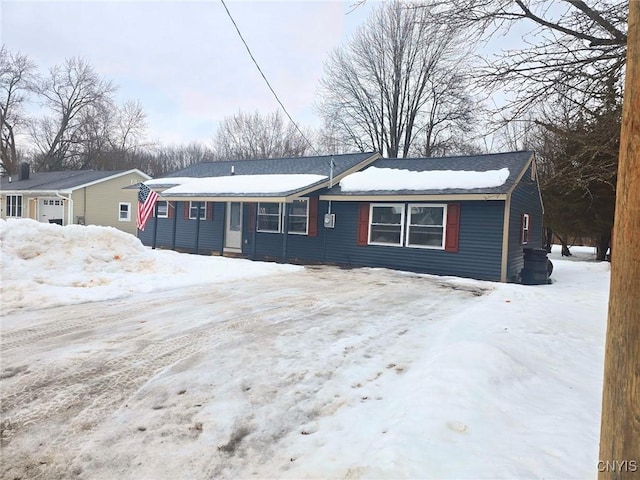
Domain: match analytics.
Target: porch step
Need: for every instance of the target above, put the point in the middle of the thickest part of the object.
(226, 253)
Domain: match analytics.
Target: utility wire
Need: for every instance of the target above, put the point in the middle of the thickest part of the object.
(265, 78)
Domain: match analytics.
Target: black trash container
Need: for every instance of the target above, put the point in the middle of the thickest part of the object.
(537, 267)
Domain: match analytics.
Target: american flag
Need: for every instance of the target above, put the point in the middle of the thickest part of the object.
(146, 202)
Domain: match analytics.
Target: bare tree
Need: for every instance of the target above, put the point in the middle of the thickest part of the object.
(573, 51)
(73, 92)
(254, 135)
(399, 85)
(16, 74)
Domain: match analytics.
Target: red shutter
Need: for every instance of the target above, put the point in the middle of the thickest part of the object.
(313, 217)
(170, 209)
(363, 224)
(185, 210)
(252, 217)
(209, 210)
(453, 227)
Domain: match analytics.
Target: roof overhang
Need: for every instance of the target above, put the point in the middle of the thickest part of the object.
(391, 197)
(37, 192)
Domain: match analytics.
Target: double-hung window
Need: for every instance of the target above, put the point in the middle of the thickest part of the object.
(269, 217)
(14, 206)
(162, 207)
(298, 216)
(124, 212)
(425, 226)
(197, 209)
(525, 228)
(386, 224)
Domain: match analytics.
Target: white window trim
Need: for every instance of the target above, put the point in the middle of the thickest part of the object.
(525, 228)
(202, 210)
(166, 215)
(444, 225)
(258, 229)
(14, 206)
(306, 226)
(128, 204)
(402, 222)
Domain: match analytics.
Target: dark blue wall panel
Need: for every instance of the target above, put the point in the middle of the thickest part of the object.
(210, 231)
(524, 199)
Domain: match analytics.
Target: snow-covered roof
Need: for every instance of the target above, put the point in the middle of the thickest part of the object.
(488, 174)
(376, 179)
(239, 185)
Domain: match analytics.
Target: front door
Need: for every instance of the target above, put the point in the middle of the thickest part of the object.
(233, 233)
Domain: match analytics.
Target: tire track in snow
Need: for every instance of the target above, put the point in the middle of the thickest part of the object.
(76, 394)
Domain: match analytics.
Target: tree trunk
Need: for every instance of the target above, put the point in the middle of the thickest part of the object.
(565, 246)
(602, 245)
(620, 427)
(548, 239)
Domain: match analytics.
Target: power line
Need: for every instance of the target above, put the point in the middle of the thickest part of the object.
(265, 78)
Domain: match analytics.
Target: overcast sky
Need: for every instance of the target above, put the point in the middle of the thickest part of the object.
(184, 60)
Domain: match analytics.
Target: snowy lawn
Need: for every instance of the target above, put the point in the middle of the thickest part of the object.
(253, 370)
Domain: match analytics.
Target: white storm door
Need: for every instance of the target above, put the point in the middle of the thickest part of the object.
(233, 233)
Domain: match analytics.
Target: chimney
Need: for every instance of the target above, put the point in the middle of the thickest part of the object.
(24, 172)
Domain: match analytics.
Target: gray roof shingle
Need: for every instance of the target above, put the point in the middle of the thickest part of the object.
(54, 181)
(314, 165)
(514, 161)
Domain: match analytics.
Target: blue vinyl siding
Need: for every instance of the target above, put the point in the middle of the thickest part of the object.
(300, 248)
(479, 254)
(524, 199)
(210, 235)
(479, 249)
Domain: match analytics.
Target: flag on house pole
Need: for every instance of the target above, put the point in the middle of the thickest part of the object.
(146, 203)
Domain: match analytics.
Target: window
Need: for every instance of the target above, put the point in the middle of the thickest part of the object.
(525, 228)
(162, 207)
(14, 205)
(298, 216)
(269, 215)
(194, 208)
(386, 224)
(124, 212)
(425, 227)
(235, 216)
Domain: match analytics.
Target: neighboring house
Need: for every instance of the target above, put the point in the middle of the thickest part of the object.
(468, 216)
(84, 197)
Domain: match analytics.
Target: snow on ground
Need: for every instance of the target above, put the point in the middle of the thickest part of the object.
(310, 373)
(46, 264)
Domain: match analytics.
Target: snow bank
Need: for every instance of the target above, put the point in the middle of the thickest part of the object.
(391, 179)
(46, 264)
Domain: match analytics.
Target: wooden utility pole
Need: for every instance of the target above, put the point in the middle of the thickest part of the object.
(620, 428)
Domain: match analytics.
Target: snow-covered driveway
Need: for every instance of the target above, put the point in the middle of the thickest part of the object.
(235, 376)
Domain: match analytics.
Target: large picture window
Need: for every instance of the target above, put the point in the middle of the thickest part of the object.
(269, 215)
(14, 206)
(386, 224)
(197, 208)
(425, 226)
(298, 216)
